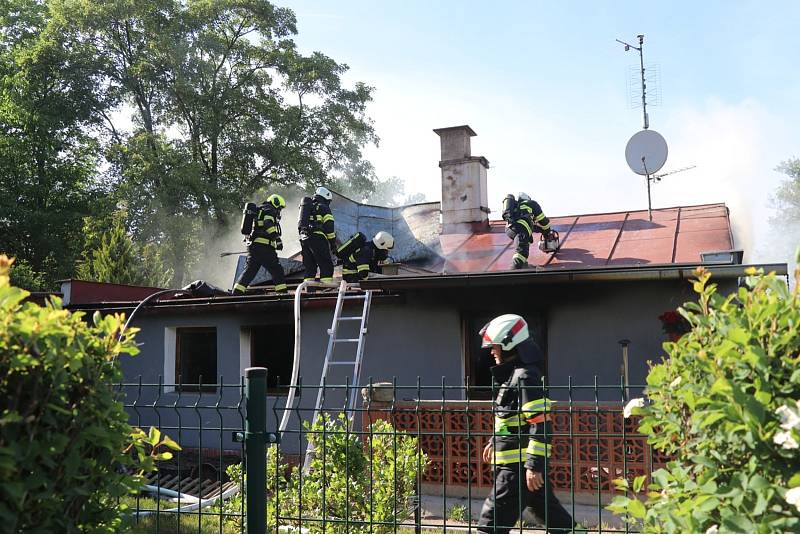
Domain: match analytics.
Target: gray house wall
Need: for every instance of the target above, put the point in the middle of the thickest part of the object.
(418, 335)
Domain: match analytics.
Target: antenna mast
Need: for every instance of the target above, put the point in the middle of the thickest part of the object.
(640, 49)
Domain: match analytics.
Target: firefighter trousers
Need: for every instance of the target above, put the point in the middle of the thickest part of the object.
(521, 230)
(260, 255)
(510, 496)
(317, 254)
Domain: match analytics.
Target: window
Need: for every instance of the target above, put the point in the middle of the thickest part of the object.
(196, 358)
(478, 361)
(272, 346)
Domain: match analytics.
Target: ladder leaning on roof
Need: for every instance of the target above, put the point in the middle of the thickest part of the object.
(333, 341)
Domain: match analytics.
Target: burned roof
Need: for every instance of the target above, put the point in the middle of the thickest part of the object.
(675, 235)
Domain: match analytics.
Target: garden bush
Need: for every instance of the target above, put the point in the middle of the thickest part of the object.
(724, 404)
(356, 483)
(65, 444)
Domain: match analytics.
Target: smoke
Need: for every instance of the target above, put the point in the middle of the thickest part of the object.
(221, 271)
(736, 148)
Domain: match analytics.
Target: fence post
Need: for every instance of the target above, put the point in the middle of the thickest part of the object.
(255, 449)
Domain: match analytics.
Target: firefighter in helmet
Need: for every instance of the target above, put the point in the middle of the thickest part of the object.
(317, 235)
(524, 217)
(261, 225)
(360, 257)
(520, 442)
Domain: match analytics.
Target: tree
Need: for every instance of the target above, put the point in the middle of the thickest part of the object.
(224, 104)
(48, 103)
(114, 259)
(787, 197)
(786, 220)
(390, 192)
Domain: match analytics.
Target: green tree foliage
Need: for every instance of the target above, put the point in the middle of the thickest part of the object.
(358, 483)
(114, 258)
(48, 105)
(224, 104)
(65, 443)
(787, 197)
(221, 101)
(725, 406)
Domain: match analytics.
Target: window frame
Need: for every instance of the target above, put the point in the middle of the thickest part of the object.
(203, 387)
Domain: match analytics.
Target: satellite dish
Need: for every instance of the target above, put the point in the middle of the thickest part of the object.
(646, 152)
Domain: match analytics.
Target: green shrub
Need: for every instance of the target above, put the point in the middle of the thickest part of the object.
(459, 513)
(65, 442)
(724, 405)
(353, 481)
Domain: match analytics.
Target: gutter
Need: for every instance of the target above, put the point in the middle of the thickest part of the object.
(213, 304)
(557, 276)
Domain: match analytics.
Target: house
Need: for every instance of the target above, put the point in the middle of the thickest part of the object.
(613, 276)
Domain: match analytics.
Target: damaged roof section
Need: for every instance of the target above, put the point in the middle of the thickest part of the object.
(628, 238)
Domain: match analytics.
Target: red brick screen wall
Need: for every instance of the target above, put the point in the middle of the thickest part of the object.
(589, 450)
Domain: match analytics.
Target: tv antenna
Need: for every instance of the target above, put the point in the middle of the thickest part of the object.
(646, 152)
(658, 177)
(640, 49)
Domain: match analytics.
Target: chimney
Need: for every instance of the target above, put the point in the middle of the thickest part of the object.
(464, 196)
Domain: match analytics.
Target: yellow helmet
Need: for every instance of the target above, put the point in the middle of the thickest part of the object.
(276, 201)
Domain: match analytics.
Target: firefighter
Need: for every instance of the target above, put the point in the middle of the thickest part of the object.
(261, 225)
(524, 217)
(317, 235)
(359, 257)
(520, 442)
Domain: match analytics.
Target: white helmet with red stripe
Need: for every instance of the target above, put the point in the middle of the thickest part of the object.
(508, 331)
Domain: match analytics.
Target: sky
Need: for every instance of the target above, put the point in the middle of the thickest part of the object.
(545, 87)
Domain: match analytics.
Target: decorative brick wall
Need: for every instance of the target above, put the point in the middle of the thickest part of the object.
(589, 449)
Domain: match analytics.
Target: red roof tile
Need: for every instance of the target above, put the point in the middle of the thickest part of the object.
(675, 235)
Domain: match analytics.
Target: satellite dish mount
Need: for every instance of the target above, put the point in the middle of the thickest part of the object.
(646, 151)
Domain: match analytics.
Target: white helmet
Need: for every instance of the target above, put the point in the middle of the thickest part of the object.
(523, 196)
(383, 240)
(324, 193)
(508, 331)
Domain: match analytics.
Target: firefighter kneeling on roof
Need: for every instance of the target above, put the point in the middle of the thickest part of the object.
(261, 225)
(520, 442)
(524, 217)
(359, 257)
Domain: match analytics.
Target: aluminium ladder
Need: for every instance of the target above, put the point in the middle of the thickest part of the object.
(330, 360)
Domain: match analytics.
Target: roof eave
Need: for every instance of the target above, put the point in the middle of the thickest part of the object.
(600, 274)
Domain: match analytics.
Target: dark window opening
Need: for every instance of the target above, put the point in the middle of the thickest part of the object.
(272, 346)
(478, 361)
(196, 359)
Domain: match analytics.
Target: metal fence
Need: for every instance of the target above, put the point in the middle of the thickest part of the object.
(408, 460)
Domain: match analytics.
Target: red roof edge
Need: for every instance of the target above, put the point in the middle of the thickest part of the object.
(85, 292)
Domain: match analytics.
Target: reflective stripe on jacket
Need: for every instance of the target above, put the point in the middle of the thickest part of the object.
(522, 427)
(322, 220)
(266, 227)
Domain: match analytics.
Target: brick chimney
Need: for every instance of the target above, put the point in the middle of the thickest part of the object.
(464, 196)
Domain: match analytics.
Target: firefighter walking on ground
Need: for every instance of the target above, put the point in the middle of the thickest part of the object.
(360, 257)
(521, 439)
(317, 235)
(261, 225)
(524, 217)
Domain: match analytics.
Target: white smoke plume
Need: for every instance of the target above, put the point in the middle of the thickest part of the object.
(220, 271)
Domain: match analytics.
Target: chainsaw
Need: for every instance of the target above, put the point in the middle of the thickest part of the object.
(551, 245)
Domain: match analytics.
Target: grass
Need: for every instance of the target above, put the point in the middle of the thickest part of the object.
(208, 523)
(191, 522)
